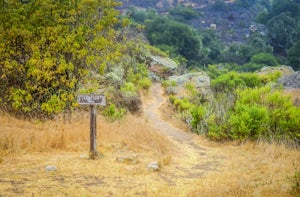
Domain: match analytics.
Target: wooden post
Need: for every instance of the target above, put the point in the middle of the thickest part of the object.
(92, 100)
(93, 133)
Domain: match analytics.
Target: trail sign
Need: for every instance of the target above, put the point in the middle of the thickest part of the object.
(92, 100)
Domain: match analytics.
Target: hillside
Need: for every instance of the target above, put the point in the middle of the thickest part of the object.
(232, 22)
(191, 105)
(189, 164)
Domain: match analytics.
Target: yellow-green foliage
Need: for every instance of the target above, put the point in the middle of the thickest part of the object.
(264, 113)
(230, 81)
(128, 89)
(113, 113)
(181, 104)
(242, 108)
(46, 48)
(138, 75)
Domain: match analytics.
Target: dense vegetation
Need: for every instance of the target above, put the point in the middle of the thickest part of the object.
(46, 47)
(243, 106)
(202, 47)
(50, 49)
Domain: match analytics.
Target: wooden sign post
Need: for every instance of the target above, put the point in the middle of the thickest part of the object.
(92, 100)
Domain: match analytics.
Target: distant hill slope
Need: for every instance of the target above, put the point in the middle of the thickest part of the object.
(232, 22)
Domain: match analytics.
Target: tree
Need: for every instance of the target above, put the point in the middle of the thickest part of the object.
(180, 37)
(242, 53)
(293, 56)
(284, 31)
(46, 48)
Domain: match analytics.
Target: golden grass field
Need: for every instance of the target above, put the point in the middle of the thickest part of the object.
(191, 168)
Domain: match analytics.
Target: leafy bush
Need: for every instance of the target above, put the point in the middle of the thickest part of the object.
(198, 116)
(293, 56)
(46, 50)
(181, 38)
(144, 83)
(251, 67)
(248, 111)
(227, 82)
(129, 89)
(113, 113)
(264, 58)
(233, 80)
(248, 121)
(182, 104)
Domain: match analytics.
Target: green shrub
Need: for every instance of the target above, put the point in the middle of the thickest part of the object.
(264, 113)
(128, 89)
(251, 67)
(198, 116)
(271, 77)
(265, 59)
(113, 113)
(214, 71)
(227, 82)
(144, 83)
(182, 104)
(248, 121)
(251, 79)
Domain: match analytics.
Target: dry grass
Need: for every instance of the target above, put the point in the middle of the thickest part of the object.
(27, 147)
(72, 134)
(253, 170)
(295, 95)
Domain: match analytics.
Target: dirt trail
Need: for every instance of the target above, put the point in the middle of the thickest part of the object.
(192, 159)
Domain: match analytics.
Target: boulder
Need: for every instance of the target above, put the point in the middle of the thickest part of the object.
(291, 81)
(284, 70)
(200, 80)
(162, 66)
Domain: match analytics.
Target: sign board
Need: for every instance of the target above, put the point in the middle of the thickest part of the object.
(91, 99)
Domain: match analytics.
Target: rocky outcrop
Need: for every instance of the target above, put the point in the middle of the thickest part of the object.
(200, 80)
(291, 81)
(284, 70)
(162, 66)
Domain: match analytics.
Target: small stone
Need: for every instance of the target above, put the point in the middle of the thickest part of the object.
(51, 168)
(84, 156)
(153, 166)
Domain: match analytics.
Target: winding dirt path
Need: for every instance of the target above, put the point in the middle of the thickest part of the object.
(192, 160)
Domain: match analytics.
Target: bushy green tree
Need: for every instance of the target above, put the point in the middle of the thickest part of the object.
(180, 37)
(258, 61)
(46, 48)
(294, 57)
(283, 23)
(264, 58)
(242, 53)
(284, 31)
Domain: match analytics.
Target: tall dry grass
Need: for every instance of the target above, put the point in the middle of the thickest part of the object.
(71, 133)
(254, 169)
